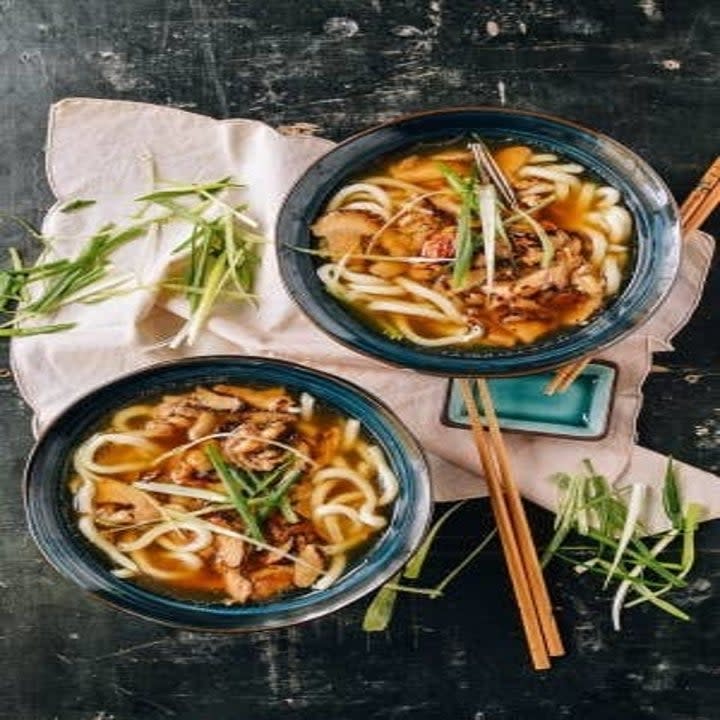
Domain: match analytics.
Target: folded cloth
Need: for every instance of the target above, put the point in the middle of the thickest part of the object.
(111, 151)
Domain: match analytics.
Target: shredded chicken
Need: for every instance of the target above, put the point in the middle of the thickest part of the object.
(343, 230)
(137, 503)
(269, 581)
(230, 551)
(245, 446)
(305, 576)
(237, 586)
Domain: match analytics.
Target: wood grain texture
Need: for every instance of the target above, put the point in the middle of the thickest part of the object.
(646, 72)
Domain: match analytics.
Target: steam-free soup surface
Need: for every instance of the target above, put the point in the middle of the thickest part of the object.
(426, 249)
(229, 493)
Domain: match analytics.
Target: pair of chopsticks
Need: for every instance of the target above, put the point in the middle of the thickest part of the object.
(528, 583)
(696, 209)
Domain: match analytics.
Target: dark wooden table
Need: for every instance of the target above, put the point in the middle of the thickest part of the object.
(646, 72)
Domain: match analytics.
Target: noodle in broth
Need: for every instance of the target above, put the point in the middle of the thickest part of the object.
(231, 493)
(394, 240)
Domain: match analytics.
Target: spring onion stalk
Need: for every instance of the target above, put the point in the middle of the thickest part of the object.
(487, 201)
(75, 205)
(635, 506)
(416, 562)
(671, 497)
(223, 471)
(221, 262)
(379, 613)
(610, 519)
(465, 189)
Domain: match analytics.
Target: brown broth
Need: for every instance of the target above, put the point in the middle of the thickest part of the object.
(206, 584)
(558, 312)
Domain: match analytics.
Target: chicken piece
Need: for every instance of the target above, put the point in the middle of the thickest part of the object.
(586, 281)
(230, 551)
(554, 276)
(174, 414)
(272, 399)
(527, 330)
(205, 424)
(214, 401)
(247, 446)
(344, 230)
(279, 531)
(192, 468)
(275, 556)
(270, 581)
(237, 586)
(386, 269)
(305, 576)
(396, 243)
(446, 203)
(424, 272)
(128, 497)
(440, 245)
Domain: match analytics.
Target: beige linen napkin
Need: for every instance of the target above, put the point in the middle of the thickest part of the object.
(106, 149)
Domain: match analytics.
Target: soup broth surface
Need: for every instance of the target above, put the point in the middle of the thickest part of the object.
(231, 493)
(424, 247)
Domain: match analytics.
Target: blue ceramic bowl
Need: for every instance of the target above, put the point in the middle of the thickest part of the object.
(50, 518)
(654, 212)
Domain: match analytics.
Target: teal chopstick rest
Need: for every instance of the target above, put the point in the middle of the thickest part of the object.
(581, 412)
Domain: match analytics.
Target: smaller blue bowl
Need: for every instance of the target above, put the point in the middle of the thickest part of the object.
(580, 413)
(48, 504)
(657, 238)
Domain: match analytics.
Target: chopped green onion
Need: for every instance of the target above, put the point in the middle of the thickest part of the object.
(487, 200)
(379, 613)
(225, 474)
(75, 205)
(416, 562)
(671, 497)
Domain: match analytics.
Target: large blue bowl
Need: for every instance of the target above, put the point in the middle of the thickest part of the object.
(49, 510)
(654, 212)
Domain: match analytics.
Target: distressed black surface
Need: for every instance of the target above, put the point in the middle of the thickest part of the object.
(646, 73)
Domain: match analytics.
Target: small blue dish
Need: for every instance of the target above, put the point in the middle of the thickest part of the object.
(654, 212)
(49, 512)
(582, 412)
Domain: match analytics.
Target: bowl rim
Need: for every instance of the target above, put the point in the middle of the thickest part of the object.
(421, 510)
(417, 364)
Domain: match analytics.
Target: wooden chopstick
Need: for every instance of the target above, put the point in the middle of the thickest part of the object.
(696, 209)
(531, 562)
(703, 199)
(536, 613)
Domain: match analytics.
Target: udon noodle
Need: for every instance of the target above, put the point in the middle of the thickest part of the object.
(425, 250)
(231, 493)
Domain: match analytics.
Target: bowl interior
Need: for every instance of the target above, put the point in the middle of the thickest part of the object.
(656, 253)
(50, 517)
